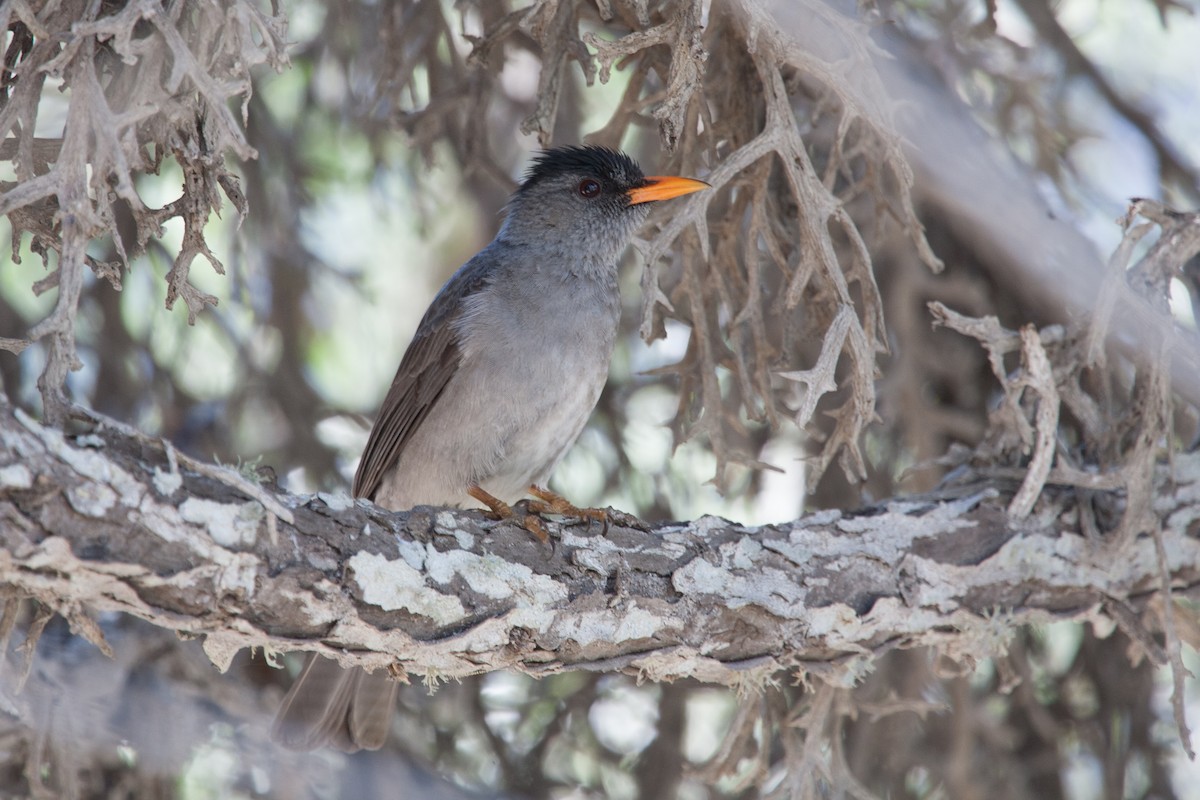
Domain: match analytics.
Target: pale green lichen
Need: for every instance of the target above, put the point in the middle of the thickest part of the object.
(604, 625)
(167, 483)
(493, 577)
(743, 554)
(394, 585)
(447, 524)
(336, 502)
(88, 463)
(229, 524)
(16, 476)
(837, 618)
(92, 499)
(773, 589)
(412, 552)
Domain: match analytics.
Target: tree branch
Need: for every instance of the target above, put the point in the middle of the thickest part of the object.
(99, 522)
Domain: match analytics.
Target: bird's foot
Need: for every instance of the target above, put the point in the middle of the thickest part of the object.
(549, 502)
(502, 510)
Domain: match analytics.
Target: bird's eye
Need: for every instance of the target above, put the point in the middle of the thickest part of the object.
(589, 188)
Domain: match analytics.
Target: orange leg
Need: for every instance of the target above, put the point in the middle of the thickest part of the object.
(549, 502)
(503, 510)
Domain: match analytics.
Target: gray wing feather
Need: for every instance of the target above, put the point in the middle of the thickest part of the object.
(430, 362)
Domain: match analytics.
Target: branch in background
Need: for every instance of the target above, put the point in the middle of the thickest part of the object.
(1051, 264)
(131, 98)
(1174, 168)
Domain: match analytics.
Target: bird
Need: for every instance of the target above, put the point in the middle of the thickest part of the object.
(498, 381)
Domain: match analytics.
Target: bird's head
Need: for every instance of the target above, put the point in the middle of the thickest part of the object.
(589, 200)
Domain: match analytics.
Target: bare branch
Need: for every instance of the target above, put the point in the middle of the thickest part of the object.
(826, 592)
(116, 114)
(1038, 377)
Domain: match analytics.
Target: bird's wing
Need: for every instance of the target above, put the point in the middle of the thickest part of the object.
(428, 365)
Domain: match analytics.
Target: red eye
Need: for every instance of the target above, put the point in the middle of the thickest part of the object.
(589, 188)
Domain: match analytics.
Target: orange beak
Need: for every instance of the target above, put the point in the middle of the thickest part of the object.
(664, 188)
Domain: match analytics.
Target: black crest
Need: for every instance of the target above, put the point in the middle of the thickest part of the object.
(601, 162)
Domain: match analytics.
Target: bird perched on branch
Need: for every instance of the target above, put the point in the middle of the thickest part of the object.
(498, 382)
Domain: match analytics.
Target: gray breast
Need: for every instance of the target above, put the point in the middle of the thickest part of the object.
(535, 357)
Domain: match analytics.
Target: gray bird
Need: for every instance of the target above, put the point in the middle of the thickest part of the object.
(500, 378)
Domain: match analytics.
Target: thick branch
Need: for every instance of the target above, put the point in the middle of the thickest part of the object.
(1053, 265)
(102, 522)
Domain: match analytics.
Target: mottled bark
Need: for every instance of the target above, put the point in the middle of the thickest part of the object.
(103, 522)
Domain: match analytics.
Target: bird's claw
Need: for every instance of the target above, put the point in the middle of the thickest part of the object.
(549, 502)
(528, 512)
(498, 509)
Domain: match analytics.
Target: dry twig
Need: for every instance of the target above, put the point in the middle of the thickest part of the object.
(132, 98)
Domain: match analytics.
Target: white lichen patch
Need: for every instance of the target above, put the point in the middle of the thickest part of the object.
(487, 575)
(493, 577)
(534, 617)
(601, 563)
(935, 585)
(336, 502)
(886, 613)
(773, 589)
(1050, 559)
(16, 476)
(803, 542)
(798, 552)
(1181, 550)
(91, 499)
(837, 618)
(88, 463)
(701, 577)
(826, 517)
(229, 524)
(167, 482)
(603, 625)
(743, 553)
(412, 552)
(994, 632)
(1182, 519)
(394, 585)
(707, 525)
(673, 545)
(164, 521)
(1180, 471)
(888, 536)
(445, 523)
(595, 544)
